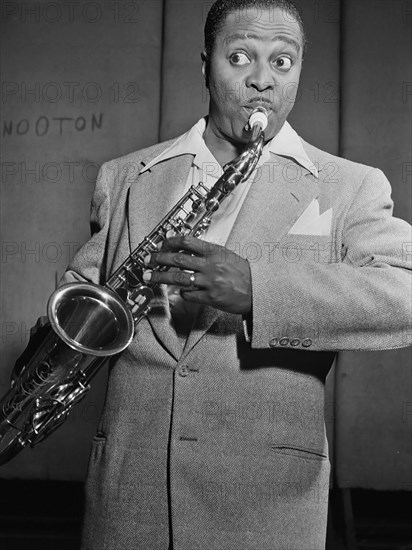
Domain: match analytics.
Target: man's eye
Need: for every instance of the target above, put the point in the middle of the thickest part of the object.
(283, 63)
(239, 58)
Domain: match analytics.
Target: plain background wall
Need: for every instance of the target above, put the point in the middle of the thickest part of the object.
(373, 442)
(126, 75)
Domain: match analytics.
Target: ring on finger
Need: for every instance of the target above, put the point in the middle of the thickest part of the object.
(192, 280)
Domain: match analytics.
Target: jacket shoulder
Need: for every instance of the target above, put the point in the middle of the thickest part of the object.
(346, 177)
(132, 163)
(322, 159)
(350, 181)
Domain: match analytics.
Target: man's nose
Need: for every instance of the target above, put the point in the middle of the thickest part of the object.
(261, 78)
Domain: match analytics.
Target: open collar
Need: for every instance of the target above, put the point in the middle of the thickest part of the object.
(286, 143)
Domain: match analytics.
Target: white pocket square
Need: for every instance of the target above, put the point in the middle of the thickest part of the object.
(311, 223)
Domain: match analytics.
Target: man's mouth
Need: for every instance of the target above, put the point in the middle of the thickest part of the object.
(255, 103)
(250, 107)
(254, 108)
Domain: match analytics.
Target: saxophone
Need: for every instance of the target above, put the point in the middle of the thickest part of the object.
(88, 323)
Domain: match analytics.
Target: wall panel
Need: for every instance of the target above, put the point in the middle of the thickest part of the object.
(374, 390)
(81, 85)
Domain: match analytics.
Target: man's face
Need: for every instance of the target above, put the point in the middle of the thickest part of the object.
(256, 61)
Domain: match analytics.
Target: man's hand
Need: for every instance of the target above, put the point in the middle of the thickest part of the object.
(217, 277)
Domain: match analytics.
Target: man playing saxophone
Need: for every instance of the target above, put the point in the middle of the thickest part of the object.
(197, 446)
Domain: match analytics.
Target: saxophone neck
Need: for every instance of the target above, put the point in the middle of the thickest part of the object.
(257, 123)
(256, 142)
(257, 135)
(247, 160)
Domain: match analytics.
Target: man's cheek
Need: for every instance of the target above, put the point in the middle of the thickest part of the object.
(226, 92)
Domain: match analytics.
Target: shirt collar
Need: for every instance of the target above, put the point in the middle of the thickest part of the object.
(286, 143)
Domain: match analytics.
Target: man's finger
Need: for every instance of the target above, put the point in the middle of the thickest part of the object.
(178, 277)
(196, 296)
(189, 244)
(178, 259)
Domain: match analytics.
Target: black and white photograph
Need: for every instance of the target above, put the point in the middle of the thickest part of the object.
(206, 261)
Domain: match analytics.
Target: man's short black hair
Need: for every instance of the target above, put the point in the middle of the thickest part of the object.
(222, 8)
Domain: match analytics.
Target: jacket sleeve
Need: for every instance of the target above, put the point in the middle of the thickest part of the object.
(360, 300)
(89, 262)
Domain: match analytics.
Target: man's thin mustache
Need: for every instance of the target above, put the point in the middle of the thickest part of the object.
(260, 100)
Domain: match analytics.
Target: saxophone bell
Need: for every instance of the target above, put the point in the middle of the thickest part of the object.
(88, 324)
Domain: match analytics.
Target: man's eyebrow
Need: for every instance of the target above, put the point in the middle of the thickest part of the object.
(281, 37)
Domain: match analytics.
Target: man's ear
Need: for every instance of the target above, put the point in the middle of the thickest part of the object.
(205, 67)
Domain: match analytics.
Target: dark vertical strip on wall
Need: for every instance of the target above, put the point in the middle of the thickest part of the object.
(184, 100)
(162, 68)
(372, 434)
(342, 46)
(341, 75)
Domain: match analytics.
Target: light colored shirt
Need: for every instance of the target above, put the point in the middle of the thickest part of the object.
(206, 169)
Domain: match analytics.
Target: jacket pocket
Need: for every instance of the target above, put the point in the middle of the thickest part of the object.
(299, 452)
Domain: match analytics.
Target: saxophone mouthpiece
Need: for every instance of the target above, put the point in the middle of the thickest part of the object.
(259, 117)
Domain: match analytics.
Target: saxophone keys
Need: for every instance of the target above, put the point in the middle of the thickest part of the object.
(203, 187)
(134, 276)
(122, 293)
(176, 226)
(229, 186)
(197, 205)
(152, 245)
(212, 205)
(140, 299)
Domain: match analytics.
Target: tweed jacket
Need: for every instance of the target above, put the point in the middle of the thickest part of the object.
(220, 444)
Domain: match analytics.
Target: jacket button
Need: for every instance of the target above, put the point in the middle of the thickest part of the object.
(307, 342)
(295, 342)
(284, 341)
(183, 371)
(273, 342)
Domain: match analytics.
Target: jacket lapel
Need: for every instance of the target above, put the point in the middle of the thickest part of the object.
(269, 210)
(279, 194)
(156, 192)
